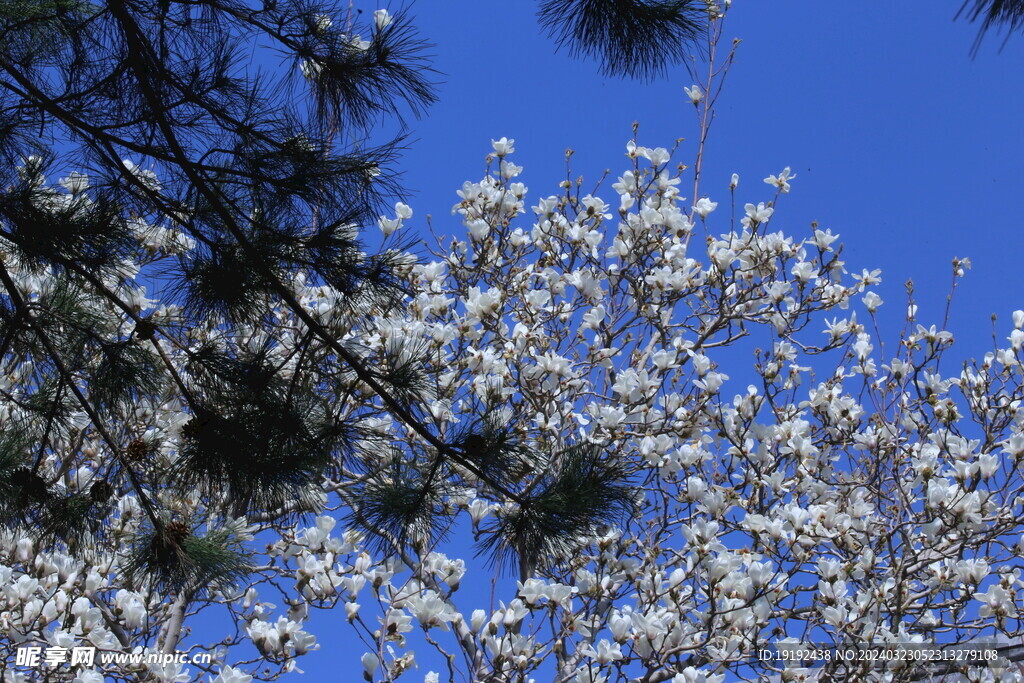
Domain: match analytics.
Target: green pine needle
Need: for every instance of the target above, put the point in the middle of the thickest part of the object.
(570, 504)
(400, 504)
(173, 559)
(993, 13)
(635, 38)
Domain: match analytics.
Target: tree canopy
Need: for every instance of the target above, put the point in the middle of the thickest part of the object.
(218, 394)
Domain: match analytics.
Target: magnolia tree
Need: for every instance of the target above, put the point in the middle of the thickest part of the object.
(546, 451)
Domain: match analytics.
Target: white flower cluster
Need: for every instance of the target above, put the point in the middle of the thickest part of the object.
(613, 332)
(874, 500)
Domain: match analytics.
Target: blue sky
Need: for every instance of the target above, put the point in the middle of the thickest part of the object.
(901, 142)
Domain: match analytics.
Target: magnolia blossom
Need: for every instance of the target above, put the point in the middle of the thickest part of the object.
(503, 147)
(382, 19)
(781, 181)
(791, 473)
(704, 206)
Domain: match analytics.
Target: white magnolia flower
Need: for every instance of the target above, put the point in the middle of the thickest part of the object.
(872, 301)
(431, 610)
(478, 620)
(172, 672)
(503, 147)
(75, 182)
(323, 22)
(757, 214)
(92, 676)
(692, 675)
(370, 663)
(824, 239)
(781, 181)
(704, 206)
(382, 19)
(532, 591)
(605, 653)
(996, 601)
(145, 177)
(231, 675)
(403, 211)
(388, 225)
(478, 228)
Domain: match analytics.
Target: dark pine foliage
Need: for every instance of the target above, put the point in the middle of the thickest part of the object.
(563, 508)
(993, 14)
(31, 504)
(171, 557)
(636, 38)
(402, 505)
(255, 441)
(270, 173)
(268, 170)
(554, 502)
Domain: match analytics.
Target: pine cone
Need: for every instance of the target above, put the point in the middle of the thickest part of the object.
(100, 492)
(32, 487)
(166, 543)
(474, 445)
(177, 532)
(145, 329)
(136, 450)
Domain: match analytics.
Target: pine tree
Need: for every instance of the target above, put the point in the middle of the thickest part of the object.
(261, 175)
(227, 183)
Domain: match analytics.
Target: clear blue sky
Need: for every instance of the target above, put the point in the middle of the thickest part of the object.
(901, 142)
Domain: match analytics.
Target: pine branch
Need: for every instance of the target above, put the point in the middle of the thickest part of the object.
(171, 557)
(568, 506)
(136, 45)
(634, 38)
(992, 14)
(16, 298)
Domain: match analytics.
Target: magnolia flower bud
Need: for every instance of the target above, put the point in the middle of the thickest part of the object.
(479, 616)
(382, 19)
(370, 663)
